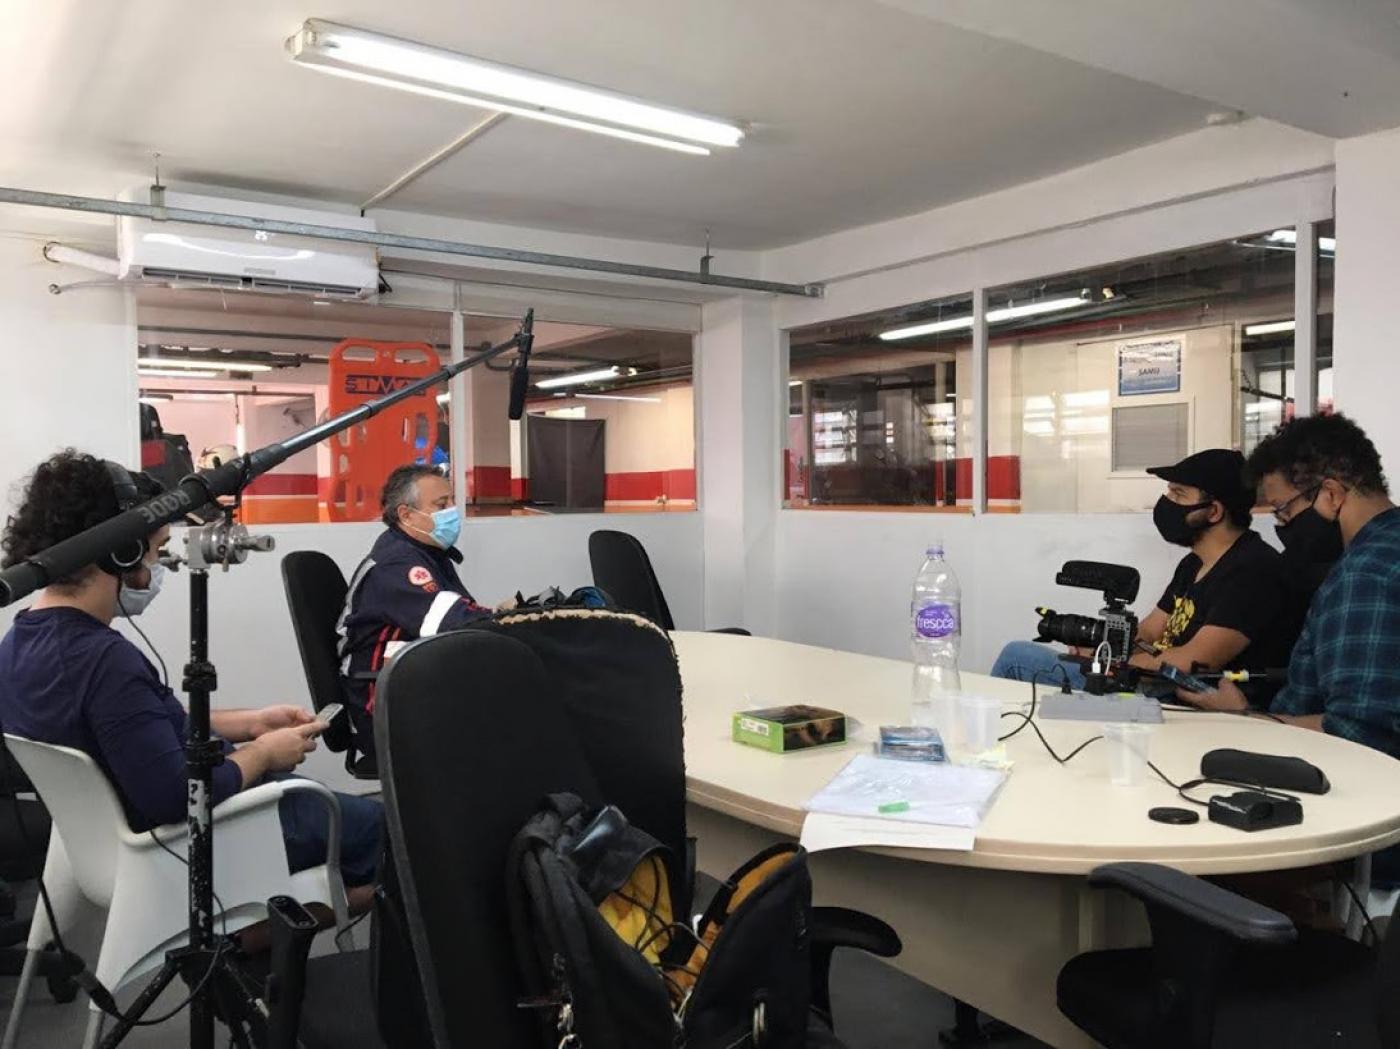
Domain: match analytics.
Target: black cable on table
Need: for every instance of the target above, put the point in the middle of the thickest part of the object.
(1064, 676)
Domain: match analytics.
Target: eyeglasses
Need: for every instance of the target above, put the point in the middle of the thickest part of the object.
(1281, 514)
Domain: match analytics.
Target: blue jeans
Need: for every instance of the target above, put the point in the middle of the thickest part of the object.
(1029, 660)
(306, 833)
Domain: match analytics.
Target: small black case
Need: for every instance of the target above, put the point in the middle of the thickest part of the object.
(1264, 770)
(1251, 810)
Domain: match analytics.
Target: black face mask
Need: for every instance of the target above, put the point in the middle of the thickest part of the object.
(1311, 538)
(1170, 519)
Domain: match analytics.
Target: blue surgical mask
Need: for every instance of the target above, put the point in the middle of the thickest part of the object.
(131, 601)
(447, 526)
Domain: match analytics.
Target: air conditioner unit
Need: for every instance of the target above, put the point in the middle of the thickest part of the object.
(252, 260)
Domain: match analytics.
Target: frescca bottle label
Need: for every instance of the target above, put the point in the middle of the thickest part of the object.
(936, 620)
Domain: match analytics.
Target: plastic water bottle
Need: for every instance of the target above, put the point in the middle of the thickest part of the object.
(935, 630)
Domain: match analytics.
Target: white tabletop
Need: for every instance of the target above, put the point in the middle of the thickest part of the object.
(1048, 818)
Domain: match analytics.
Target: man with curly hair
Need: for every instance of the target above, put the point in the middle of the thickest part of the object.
(68, 678)
(1344, 676)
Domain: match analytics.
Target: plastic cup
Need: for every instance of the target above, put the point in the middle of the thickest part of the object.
(980, 717)
(1129, 746)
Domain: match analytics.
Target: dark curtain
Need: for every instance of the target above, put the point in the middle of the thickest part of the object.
(566, 462)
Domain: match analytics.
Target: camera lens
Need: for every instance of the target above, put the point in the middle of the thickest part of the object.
(1069, 629)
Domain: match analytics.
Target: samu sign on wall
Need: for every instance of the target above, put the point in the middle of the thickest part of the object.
(1149, 367)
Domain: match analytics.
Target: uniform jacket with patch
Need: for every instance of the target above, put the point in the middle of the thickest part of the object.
(402, 591)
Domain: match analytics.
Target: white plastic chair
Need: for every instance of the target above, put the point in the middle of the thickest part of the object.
(98, 867)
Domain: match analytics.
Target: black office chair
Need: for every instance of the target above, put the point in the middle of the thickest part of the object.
(460, 779)
(316, 592)
(622, 570)
(1224, 971)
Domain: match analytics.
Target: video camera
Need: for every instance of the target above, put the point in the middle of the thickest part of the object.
(1116, 627)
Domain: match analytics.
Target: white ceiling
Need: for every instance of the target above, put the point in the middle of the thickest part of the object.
(1327, 66)
(860, 111)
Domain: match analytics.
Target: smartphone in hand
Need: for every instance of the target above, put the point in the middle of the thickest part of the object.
(1179, 678)
(327, 714)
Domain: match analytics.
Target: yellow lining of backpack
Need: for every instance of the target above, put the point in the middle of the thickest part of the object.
(640, 913)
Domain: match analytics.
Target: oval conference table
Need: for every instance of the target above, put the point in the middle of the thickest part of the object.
(993, 926)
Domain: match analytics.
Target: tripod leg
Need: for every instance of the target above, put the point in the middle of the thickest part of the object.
(231, 1005)
(144, 1001)
(26, 977)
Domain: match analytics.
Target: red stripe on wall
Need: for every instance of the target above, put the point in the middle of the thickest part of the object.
(1003, 478)
(283, 484)
(519, 488)
(680, 484)
(489, 482)
(649, 484)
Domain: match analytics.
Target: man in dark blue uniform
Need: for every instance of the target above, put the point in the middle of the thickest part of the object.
(405, 589)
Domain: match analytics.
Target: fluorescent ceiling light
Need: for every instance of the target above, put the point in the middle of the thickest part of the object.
(201, 365)
(794, 382)
(579, 377)
(1271, 328)
(616, 397)
(1289, 236)
(175, 373)
(154, 398)
(443, 398)
(1005, 313)
(438, 73)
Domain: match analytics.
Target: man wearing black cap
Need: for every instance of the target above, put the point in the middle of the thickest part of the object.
(1227, 605)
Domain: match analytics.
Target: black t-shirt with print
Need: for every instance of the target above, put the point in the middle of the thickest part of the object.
(1246, 590)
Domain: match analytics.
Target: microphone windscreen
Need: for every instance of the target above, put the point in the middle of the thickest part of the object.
(519, 384)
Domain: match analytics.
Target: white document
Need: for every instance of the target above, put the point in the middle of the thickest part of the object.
(909, 791)
(822, 830)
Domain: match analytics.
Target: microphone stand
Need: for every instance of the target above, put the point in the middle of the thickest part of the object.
(207, 962)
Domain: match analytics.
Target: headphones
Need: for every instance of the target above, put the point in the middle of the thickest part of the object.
(129, 556)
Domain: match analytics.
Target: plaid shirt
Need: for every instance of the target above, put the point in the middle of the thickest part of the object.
(1346, 664)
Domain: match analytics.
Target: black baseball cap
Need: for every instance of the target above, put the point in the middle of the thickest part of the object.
(1219, 472)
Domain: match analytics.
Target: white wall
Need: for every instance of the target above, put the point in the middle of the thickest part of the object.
(1366, 349)
(1202, 163)
(845, 579)
(67, 366)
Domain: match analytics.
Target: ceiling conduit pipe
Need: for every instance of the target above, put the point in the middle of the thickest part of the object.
(95, 205)
(61, 253)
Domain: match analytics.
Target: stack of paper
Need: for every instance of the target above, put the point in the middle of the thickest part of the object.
(875, 801)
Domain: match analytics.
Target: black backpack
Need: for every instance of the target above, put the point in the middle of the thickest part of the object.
(607, 965)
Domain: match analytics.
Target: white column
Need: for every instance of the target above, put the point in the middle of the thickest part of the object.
(1364, 341)
(739, 391)
(1305, 318)
(979, 401)
(67, 366)
(461, 408)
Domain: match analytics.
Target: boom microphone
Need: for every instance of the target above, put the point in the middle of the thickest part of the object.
(520, 370)
(228, 478)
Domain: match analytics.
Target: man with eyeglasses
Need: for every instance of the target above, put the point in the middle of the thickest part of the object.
(1311, 544)
(1324, 474)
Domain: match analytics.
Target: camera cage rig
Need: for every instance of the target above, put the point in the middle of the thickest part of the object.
(1116, 626)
